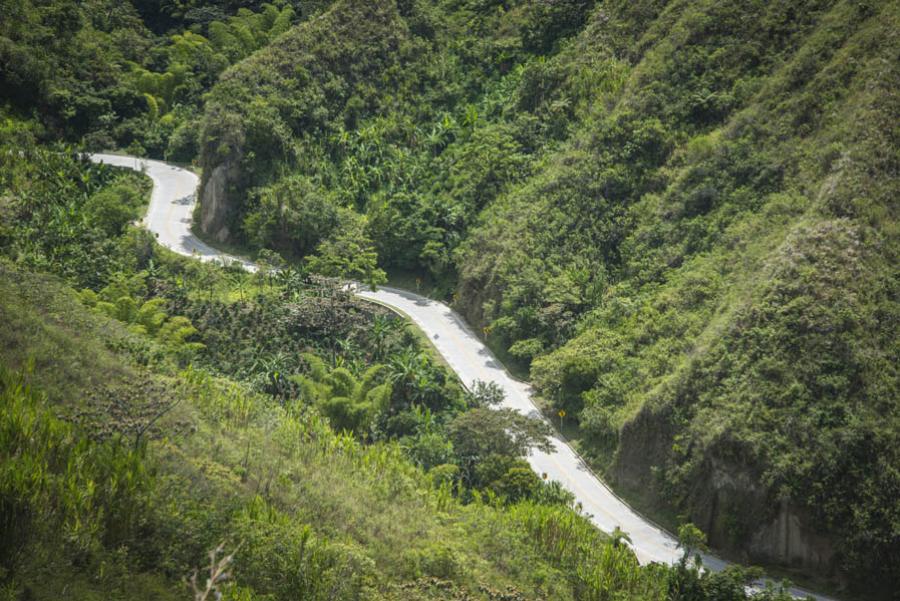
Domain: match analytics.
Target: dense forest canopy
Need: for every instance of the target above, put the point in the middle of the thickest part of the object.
(680, 215)
(678, 218)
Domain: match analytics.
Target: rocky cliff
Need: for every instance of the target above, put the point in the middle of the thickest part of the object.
(217, 200)
(727, 501)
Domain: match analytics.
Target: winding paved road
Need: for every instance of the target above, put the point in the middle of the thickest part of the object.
(169, 216)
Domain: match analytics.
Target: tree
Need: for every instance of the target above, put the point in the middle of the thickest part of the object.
(481, 433)
(429, 449)
(485, 394)
(293, 215)
(406, 370)
(268, 262)
(519, 482)
(381, 330)
(112, 208)
(692, 541)
(291, 280)
(347, 414)
(238, 283)
(349, 254)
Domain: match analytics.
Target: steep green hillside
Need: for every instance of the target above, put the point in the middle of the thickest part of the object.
(679, 214)
(392, 109)
(743, 358)
(129, 75)
(95, 510)
(154, 409)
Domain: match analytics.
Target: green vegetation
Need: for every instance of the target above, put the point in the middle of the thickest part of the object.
(148, 416)
(128, 75)
(679, 217)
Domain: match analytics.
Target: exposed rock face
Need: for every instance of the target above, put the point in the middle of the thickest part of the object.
(739, 515)
(728, 501)
(471, 299)
(216, 206)
(645, 443)
(788, 539)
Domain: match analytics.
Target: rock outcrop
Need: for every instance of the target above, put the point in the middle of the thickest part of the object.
(216, 205)
(790, 540)
(728, 502)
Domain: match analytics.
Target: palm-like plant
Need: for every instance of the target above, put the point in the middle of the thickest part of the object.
(405, 366)
(408, 375)
(619, 537)
(237, 282)
(380, 332)
(273, 371)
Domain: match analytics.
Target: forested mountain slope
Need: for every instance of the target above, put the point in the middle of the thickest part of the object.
(156, 410)
(128, 75)
(681, 215)
(153, 408)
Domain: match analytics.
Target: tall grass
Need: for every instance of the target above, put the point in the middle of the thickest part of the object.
(600, 569)
(54, 482)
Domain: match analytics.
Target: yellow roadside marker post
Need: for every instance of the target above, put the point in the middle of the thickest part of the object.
(562, 414)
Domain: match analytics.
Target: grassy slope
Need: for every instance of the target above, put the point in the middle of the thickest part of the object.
(696, 230)
(753, 293)
(231, 464)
